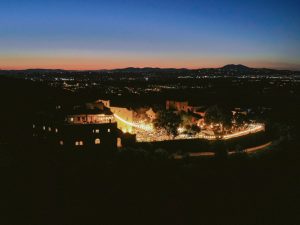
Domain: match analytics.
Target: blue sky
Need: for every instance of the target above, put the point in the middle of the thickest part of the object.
(117, 33)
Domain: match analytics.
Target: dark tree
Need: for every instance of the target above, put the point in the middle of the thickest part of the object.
(192, 129)
(218, 115)
(169, 121)
(240, 119)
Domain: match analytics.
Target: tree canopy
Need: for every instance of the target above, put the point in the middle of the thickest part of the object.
(168, 120)
(218, 115)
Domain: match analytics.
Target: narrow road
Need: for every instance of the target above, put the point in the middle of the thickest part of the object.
(211, 154)
(257, 148)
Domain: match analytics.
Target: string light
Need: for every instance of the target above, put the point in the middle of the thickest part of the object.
(136, 125)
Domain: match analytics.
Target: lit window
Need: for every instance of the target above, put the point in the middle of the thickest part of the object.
(49, 129)
(97, 131)
(108, 130)
(61, 142)
(71, 119)
(97, 141)
(33, 126)
(79, 143)
(119, 142)
(56, 130)
(44, 128)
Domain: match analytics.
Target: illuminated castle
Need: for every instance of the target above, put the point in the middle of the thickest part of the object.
(92, 125)
(128, 120)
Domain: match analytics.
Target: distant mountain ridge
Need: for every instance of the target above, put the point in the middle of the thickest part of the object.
(229, 69)
(236, 67)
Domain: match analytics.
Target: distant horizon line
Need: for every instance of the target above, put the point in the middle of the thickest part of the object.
(146, 67)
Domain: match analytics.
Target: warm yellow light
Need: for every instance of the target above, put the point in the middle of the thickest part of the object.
(136, 125)
(97, 141)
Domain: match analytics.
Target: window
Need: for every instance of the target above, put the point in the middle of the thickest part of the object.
(49, 129)
(56, 130)
(71, 119)
(97, 141)
(108, 130)
(44, 128)
(33, 125)
(79, 143)
(119, 142)
(97, 131)
(61, 142)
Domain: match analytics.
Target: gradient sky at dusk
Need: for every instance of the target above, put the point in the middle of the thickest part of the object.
(90, 34)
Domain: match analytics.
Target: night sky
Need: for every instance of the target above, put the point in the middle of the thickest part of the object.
(90, 34)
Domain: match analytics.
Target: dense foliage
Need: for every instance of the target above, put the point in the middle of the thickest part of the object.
(169, 121)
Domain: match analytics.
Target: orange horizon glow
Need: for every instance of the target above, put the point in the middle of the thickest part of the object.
(123, 61)
(93, 35)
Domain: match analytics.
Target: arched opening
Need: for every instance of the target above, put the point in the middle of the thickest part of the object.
(119, 142)
(97, 141)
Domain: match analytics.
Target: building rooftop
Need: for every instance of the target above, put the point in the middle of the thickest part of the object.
(79, 110)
